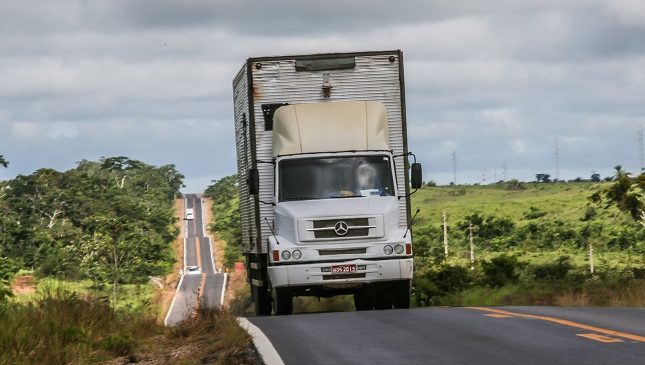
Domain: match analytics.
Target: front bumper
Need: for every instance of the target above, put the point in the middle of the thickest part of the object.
(311, 274)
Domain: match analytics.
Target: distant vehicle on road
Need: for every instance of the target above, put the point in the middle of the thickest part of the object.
(192, 270)
(190, 214)
(324, 179)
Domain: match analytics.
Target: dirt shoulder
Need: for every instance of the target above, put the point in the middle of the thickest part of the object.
(23, 285)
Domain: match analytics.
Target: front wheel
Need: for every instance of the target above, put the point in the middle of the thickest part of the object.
(363, 300)
(282, 301)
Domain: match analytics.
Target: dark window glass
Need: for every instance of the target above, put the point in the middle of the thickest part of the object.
(335, 177)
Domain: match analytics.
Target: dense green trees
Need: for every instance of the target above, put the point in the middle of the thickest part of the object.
(226, 216)
(111, 220)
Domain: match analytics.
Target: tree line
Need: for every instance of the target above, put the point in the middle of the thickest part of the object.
(110, 221)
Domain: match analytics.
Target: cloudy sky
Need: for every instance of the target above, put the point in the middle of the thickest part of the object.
(499, 82)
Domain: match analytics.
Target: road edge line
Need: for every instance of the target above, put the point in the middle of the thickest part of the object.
(172, 304)
(221, 301)
(269, 354)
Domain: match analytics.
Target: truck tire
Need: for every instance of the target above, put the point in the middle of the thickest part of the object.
(262, 300)
(363, 300)
(383, 298)
(282, 301)
(401, 291)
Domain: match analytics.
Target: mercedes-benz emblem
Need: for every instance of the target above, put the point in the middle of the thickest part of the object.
(341, 228)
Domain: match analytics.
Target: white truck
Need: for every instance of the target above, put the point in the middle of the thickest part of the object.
(323, 178)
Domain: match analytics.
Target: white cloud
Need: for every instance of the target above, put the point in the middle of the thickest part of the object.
(26, 131)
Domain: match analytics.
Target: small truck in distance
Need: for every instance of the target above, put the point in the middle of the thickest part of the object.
(324, 179)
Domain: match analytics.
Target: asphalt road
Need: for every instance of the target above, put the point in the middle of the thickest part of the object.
(493, 335)
(197, 252)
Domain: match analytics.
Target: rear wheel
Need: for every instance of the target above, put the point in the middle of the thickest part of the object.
(282, 301)
(262, 300)
(401, 291)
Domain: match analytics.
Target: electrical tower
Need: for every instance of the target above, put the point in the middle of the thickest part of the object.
(504, 170)
(639, 137)
(557, 159)
(454, 167)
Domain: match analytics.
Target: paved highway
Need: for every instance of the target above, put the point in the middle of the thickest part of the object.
(206, 285)
(480, 335)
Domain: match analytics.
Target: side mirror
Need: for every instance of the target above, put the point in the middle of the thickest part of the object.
(417, 176)
(253, 181)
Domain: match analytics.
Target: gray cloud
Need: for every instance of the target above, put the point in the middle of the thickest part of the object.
(497, 81)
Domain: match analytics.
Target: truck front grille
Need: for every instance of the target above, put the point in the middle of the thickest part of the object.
(334, 228)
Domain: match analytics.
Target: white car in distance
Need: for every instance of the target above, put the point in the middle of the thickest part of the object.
(192, 270)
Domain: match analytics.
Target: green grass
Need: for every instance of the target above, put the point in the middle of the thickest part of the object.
(564, 201)
(130, 297)
(543, 222)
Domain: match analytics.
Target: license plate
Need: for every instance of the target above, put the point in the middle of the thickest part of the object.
(343, 268)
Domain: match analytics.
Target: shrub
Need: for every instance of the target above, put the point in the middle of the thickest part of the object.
(534, 213)
(501, 270)
(440, 281)
(552, 271)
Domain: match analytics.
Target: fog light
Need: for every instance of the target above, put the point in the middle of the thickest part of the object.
(388, 249)
(296, 254)
(325, 269)
(361, 267)
(286, 255)
(398, 249)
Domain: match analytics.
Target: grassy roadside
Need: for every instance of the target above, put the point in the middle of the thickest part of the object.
(63, 327)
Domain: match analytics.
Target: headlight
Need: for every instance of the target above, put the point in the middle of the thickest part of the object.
(387, 249)
(398, 249)
(296, 254)
(286, 255)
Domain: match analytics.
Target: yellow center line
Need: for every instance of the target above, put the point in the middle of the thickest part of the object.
(565, 323)
(199, 254)
(495, 315)
(599, 338)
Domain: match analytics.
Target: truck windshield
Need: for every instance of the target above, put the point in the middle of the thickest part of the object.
(335, 177)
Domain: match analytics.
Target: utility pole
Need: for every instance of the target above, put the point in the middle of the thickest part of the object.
(454, 167)
(472, 247)
(445, 234)
(557, 159)
(484, 176)
(639, 137)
